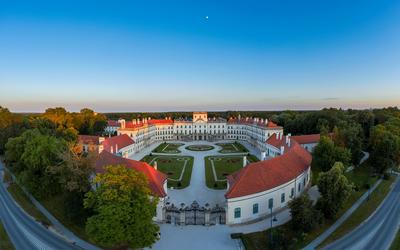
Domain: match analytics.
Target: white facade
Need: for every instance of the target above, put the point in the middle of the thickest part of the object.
(146, 131)
(256, 206)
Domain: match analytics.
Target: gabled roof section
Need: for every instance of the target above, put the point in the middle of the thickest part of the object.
(156, 178)
(307, 139)
(117, 142)
(89, 139)
(265, 175)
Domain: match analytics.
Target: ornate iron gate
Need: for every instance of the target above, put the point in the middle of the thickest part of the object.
(194, 214)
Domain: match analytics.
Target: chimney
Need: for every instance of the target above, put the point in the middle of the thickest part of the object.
(282, 150)
(101, 139)
(138, 121)
(116, 148)
(286, 139)
(281, 135)
(155, 165)
(149, 118)
(122, 122)
(263, 155)
(277, 136)
(244, 161)
(134, 121)
(266, 121)
(112, 150)
(289, 142)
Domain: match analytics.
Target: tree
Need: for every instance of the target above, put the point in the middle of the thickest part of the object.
(335, 189)
(31, 156)
(325, 154)
(385, 148)
(305, 217)
(123, 208)
(11, 125)
(350, 136)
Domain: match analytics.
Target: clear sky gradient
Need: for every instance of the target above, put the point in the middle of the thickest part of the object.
(166, 55)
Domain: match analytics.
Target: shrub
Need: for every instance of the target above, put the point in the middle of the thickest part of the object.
(179, 184)
(386, 176)
(215, 184)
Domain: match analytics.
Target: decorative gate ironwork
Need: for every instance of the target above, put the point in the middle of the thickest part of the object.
(194, 214)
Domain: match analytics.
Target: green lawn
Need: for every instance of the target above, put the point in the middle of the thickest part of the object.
(235, 147)
(23, 200)
(396, 242)
(362, 213)
(199, 147)
(360, 177)
(224, 166)
(5, 243)
(173, 166)
(168, 148)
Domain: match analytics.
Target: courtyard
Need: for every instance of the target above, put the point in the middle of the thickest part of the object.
(230, 147)
(217, 168)
(177, 168)
(168, 148)
(193, 185)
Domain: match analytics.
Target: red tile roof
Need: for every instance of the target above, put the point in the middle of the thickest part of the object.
(156, 178)
(264, 175)
(251, 121)
(130, 124)
(119, 141)
(89, 139)
(112, 123)
(271, 124)
(306, 139)
(160, 121)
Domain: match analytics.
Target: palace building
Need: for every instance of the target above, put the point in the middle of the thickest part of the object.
(255, 191)
(200, 127)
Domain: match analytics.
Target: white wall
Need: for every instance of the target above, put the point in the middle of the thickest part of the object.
(245, 203)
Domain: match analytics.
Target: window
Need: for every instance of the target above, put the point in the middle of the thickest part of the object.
(282, 197)
(255, 208)
(237, 212)
(299, 187)
(271, 203)
(304, 182)
(292, 193)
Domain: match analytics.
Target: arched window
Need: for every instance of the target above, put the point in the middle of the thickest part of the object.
(237, 212)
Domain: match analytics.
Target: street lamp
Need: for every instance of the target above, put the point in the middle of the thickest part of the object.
(272, 220)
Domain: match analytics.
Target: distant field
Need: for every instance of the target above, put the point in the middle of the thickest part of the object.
(168, 148)
(173, 167)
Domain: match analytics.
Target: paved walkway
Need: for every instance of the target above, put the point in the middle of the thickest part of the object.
(317, 241)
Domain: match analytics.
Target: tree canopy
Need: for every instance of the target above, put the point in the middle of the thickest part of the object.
(123, 209)
(335, 189)
(326, 153)
(305, 217)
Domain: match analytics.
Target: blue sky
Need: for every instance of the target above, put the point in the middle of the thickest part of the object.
(165, 55)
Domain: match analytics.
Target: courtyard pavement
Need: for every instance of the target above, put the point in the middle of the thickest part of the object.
(205, 237)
